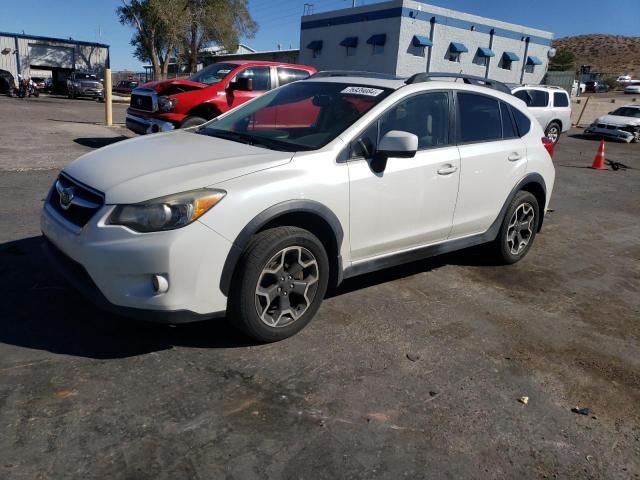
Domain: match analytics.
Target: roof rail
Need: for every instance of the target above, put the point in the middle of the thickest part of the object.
(468, 79)
(353, 73)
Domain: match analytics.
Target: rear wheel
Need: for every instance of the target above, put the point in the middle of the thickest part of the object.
(280, 281)
(519, 228)
(553, 131)
(192, 122)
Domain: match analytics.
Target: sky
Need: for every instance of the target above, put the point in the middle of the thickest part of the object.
(279, 20)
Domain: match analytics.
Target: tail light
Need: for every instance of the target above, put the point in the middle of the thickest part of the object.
(549, 145)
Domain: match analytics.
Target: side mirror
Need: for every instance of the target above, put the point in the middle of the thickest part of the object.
(395, 143)
(242, 83)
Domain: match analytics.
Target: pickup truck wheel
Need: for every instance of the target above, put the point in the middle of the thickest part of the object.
(518, 230)
(192, 122)
(279, 283)
(553, 131)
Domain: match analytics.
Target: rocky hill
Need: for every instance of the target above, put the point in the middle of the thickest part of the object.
(612, 54)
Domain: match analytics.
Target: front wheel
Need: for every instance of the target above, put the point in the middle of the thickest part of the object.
(192, 122)
(279, 284)
(519, 228)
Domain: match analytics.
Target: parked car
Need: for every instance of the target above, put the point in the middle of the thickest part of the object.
(575, 86)
(38, 82)
(82, 84)
(550, 105)
(125, 86)
(7, 83)
(621, 124)
(180, 103)
(596, 86)
(632, 89)
(623, 79)
(255, 213)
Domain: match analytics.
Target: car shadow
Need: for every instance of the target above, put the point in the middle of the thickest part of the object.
(38, 310)
(99, 142)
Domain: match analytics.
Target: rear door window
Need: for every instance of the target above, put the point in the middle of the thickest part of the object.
(480, 118)
(560, 99)
(288, 75)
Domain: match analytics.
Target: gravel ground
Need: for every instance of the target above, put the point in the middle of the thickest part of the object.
(412, 372)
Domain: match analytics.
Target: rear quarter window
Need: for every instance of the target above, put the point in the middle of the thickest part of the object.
(288, 75)
(560, 99)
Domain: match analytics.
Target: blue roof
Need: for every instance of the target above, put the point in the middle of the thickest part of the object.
(533, 60)
(315, 45)
(349, 42)
(378, 39)
(511, 56)
(420, 41)
(485, 52)
(457, 47)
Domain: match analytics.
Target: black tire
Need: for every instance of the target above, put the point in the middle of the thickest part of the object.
(502, 246)
(192, 122)
(554, 128)
(261, 250)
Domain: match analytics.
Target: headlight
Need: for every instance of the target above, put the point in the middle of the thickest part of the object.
(166, 213)
(166, 104)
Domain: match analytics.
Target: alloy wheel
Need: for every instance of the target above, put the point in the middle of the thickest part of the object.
(520, 228)
(286, 286)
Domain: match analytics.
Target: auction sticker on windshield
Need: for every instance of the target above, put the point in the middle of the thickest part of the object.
(370, 92)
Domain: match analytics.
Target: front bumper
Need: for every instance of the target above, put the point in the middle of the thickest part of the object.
(144, 125)
(611, 131)
(88, 92)
(113, 266)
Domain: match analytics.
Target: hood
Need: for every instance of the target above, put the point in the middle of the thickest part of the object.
(171, 87)
(618, 120)
(152, 166)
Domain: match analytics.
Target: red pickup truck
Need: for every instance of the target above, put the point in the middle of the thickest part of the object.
(169, 104)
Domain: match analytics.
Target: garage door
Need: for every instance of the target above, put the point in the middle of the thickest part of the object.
(41, 55)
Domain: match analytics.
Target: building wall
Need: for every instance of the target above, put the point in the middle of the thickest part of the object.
(83, 56)
(401, 20)
(334, 57)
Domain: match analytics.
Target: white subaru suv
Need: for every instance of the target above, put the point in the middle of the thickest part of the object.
(254, 214)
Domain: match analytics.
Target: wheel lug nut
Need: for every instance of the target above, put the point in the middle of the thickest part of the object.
(291, 285)
(285, 294)
(279, 289)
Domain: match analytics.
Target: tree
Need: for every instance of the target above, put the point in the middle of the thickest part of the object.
(215, 21)
(159, 25)
(564, 60)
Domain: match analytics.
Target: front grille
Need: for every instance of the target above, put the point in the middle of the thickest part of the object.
(83, 205)
(141, 102)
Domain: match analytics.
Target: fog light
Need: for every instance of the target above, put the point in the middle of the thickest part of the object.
(160, 284)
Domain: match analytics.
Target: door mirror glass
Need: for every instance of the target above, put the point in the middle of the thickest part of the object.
(397, 143)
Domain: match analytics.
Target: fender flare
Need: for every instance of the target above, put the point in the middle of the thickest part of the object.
(268, 215)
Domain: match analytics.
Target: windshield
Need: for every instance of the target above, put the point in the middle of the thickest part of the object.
(213, 73)
(627, 112)
(299, 116)
(85, 76)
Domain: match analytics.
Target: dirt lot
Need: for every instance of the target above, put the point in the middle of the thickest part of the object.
(412, 372)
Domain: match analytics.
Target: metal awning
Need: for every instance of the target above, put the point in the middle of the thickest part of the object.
(533, 60)
(315, 45)
(511, 56)
(420, 41)
(349, 42)
(378, 39)
(485, 52)
(458, 48)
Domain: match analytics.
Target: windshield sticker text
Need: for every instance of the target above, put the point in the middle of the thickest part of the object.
(370, 92)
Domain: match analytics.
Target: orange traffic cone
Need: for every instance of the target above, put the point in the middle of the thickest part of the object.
(598, 160)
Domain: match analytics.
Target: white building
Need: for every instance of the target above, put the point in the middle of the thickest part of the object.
(20, 53)
(403, 37)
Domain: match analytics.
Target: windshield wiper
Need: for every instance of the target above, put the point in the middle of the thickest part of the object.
(249, 139)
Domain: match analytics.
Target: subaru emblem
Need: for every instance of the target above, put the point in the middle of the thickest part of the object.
(66, 195)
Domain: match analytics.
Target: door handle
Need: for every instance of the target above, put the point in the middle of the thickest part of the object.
(514, 157)
(447, 170)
